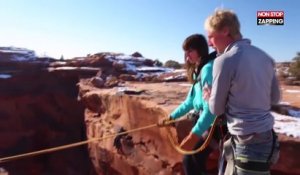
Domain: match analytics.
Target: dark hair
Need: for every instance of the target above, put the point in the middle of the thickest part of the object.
(198, 43)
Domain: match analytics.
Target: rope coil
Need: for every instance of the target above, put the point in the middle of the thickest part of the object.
(201, 148)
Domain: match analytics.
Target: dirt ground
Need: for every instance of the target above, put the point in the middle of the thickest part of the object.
(291, 94)
(172, 94)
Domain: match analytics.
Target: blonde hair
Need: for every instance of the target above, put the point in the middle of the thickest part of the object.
(224, 18)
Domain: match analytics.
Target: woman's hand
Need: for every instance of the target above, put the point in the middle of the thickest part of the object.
(165, 121)
(189, 142)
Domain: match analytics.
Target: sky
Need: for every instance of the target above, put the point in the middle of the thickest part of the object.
(155, 28)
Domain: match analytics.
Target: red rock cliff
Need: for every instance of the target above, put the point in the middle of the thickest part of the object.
(39, 109)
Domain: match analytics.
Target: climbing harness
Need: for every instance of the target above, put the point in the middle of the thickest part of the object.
(244, 163)
(72, 145)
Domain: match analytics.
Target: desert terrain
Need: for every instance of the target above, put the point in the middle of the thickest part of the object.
(47, 103)
(291, 95)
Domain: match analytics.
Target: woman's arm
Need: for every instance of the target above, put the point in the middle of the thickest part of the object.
(185, 106)
(206, 118)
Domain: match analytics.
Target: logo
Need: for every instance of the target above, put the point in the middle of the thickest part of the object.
(270, 17)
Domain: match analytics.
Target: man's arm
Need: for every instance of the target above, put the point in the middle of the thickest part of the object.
(275, 91)
(220, 86)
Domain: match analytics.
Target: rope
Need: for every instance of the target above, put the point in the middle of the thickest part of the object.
(201, 148)
(72, 145)
(49, 150)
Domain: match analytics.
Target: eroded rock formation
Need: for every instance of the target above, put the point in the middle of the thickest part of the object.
(146, 152)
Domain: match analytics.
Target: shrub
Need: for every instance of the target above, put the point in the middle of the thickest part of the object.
(172, 64)
(157, 63)
(295, 67)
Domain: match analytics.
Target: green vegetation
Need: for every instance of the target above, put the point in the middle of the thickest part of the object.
(158, 63)
(61, 58)
(172, 64)
(295, 67)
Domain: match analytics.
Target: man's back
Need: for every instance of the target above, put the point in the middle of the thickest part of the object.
(246, 73)
(244, 87)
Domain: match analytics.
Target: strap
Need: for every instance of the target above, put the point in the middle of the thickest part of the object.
(205, 60)
(198, 79)
(273, 145)
(252, 165)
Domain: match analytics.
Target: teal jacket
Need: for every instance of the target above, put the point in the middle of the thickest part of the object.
(195, 101)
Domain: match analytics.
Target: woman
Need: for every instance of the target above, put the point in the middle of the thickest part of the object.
(199, 65)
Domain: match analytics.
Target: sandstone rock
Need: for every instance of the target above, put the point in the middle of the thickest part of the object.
(111, 81)
(119, 65)
(97, 82)
(128, 77)
(149, 151)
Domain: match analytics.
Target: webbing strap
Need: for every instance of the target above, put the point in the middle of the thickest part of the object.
(252, 165)
(273, 145)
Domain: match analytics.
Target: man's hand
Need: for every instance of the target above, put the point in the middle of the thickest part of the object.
(206, 92)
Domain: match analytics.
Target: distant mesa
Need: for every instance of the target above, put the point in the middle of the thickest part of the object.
(123, 67)
(16, 54)
(132, 67)
(12, 54)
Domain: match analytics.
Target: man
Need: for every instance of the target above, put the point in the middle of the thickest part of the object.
(244, 88)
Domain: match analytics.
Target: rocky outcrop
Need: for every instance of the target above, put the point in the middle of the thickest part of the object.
(10, 54)
(126, 68)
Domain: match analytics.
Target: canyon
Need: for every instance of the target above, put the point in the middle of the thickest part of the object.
(47, 103)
